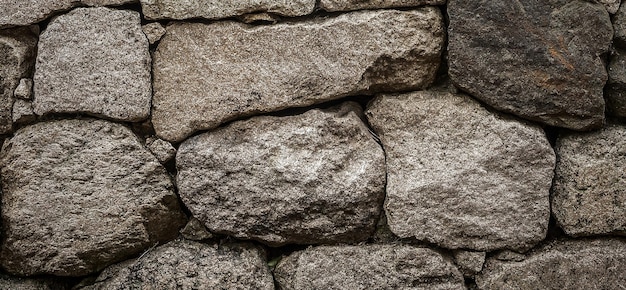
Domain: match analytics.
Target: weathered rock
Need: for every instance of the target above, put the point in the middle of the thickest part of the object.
(590, 188)
(78, 195)
(206, 74)
(191, 265)
(23, 112)
(313, 178)
(460, 176)
(532, 59)
(583, 264)
(367, 267)
(185, 9)
(616, 87)
(506, 255)
(16, 283)
(24, 89)
(470, 263)
(163, 150)
(105, 68)
(17, 59)
(611, 5)
(154, 31)
(195, 230)
(347, 5)
(619, 26)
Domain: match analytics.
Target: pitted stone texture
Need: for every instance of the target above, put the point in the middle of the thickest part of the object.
(619, 25)
(23, 112)
(163, 150)
(195, 231)
(17, 283)
(611, 6)
(532, 59)
(191, 265)
(207, 74)
(367, 267)
(590, 186)
(469, 262)
(185, 9)
(313, 178)
(24, 89)
(78, 195)
(460, 176)
(154, 31)
(616, 87)
(17, 59)
(94, 61)
(347, 5)
(584, 264)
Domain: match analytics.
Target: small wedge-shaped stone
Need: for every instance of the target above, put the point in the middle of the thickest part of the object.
(534, 59)
(367, 267)
(460, 176)
(206, 74)
(590, 186)
(94, 61)
(313, 178)
(191, 265)
(185, 9)
(78, 195)
(347, 5)
(584, 264)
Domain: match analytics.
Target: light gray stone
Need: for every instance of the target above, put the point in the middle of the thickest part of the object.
(207, 74)
(317, 177)
(590, 186)
(163, 150)
(154, 31)
(185, 9)
(104, 69)
(469, 262)
(78, 195)
(17, 283)
(195, 231)
(460, 176)
(24, 89)
(23, 112)
(347, 5)
(191, 265)
(584, 264)
(367, 267)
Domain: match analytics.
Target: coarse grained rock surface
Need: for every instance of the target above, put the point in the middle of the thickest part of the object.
(460, 176)
(590, 186)
(619, 27)
(347, 5)
(78, 195)
(94, 61)
(583, 264)
(17, 283)
(185, 9)
(312, 178)
(532, 59)
(207, 74)
(191, 265)
(616, 86)
(612, 6)
(392, 266)
(17, 59)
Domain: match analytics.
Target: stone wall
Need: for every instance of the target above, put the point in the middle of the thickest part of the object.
(313, 144)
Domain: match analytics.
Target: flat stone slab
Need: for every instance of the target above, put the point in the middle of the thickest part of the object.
(460, 176)
(347, 5)
(590, 189)
(207, 74)
(312, 178)
(367, 267)
(185, 9)
(105, 68)
(532, 59)
(79, 195)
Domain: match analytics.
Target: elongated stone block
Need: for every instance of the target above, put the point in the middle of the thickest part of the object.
(185, 9)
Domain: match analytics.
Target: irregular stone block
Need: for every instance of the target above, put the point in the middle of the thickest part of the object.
(367, 267)
(590, 188)
(23, 112)
(191, 265)
(347, 5)
(469, 262)
(584, 264)
(195, 231)
(313, 178)
(154, 31)
(104, 69)
(185, 9)
(532, 59)
(207, 74)
(78, 195)
(616, 86)
(619, 26)
(163, 150)
(460, 176)
(24, 89)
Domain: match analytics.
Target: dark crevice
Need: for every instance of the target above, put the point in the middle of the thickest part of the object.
(552, 133)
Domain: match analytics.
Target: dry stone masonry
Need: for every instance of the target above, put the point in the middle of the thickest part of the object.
(312, 144)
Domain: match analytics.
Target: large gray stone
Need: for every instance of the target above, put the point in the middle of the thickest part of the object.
(460, 176)
(367, 267)
(94, 61)
(207, 74)
(584, 264)
(313, 178)
(590, 186)
(191, 265)
(185, 9)
(78, 195)
(347, 5)
(534, 59)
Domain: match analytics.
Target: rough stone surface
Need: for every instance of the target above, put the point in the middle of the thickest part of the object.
(23, 112)
(16, 283)
(17, 58)
(584, 264)
(590, 186)
(154, 31)
(206, 74)
(195, 231)
(532, 59)
(460, 176)
(611, 6)
(78, 195)
(616, 87)
(367, 267)
(347, 5)
(317, 177)
(191, 265)
(163, 150)
(105, 68)
(185, 9)
(469, 262)
(619, 26)
(24, 89)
